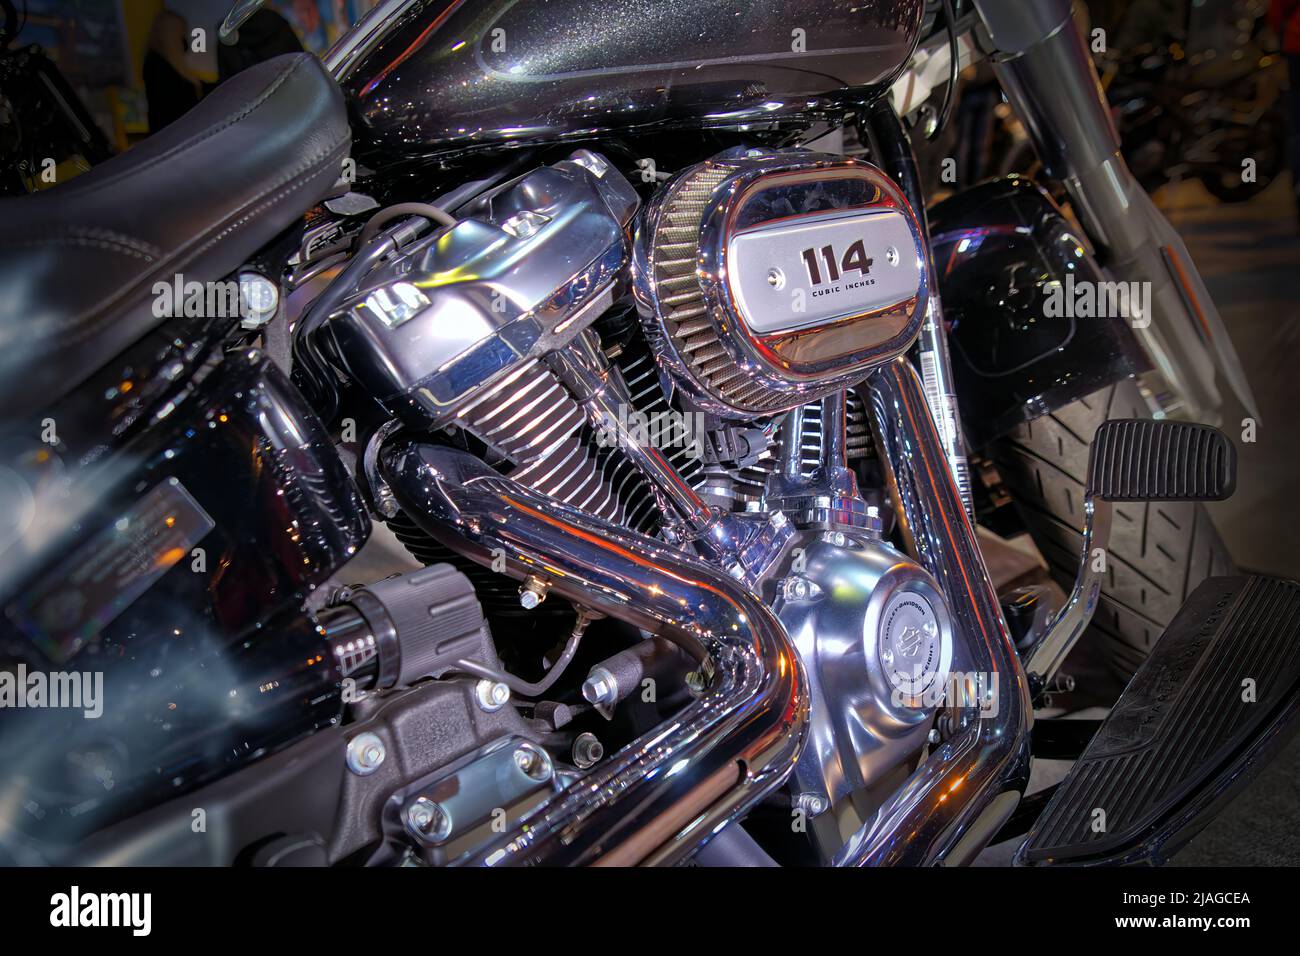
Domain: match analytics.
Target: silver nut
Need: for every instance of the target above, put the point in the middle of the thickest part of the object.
(587, 751)
(533, 592)
(365, 754)
(491, 695)
(813, 804)
(259, 298)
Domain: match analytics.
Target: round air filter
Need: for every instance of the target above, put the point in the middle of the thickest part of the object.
(768, 279)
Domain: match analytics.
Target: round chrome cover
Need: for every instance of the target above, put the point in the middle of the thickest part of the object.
(769, 279)
(912, 651)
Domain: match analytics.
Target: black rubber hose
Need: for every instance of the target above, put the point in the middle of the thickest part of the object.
(434, 214)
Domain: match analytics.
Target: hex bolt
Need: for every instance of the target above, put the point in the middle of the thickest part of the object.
(365, 754)
(534, 762)
(491, 695)
(533, 591)
(600, 687)
(259, 299)
(587, 751)
(813, 804)
(428, 820)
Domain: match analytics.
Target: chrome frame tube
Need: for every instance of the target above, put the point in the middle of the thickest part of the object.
(932, 342)
(957, 797)
(667, 793)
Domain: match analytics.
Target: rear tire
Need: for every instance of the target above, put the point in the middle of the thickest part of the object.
(1159, 551)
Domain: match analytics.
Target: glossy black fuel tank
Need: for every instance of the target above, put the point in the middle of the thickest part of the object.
(430, 77)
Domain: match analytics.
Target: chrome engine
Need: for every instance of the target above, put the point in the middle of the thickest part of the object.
(522, 352)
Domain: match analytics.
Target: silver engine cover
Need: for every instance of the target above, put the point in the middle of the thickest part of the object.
(769, 279)
(528, 266)
(876, 639)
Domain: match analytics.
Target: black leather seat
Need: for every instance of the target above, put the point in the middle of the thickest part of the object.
(78, 262)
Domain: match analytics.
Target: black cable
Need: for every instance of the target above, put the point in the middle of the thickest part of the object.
(954, 54)
(434, 214)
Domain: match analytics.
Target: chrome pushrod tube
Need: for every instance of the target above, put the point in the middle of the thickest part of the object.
(666, 794)
(967, 786)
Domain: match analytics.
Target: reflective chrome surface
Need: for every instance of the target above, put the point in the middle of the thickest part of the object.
(433, 77)
(1049, 652)
(659, 798)
(829, 495)
(932, 347)
(525, 270)
(743, 545)
(768, 279)
(876, 640)
(968, 785)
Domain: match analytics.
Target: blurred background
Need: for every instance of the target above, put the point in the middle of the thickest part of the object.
(101, 48)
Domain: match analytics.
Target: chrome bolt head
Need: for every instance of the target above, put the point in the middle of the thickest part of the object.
(534, 762)
(533, 592)
(259, 298)
(600, 687)
(365, 754)
(812, 804)
(491, 695)
(428, 820)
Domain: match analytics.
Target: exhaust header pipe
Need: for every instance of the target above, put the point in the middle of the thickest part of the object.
(666, 794)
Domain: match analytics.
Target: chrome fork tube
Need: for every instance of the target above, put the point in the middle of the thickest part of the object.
(669, 792)
(1046, 71)
(966, 787)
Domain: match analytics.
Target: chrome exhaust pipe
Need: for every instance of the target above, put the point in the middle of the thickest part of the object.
(967, 787)
(669, 792)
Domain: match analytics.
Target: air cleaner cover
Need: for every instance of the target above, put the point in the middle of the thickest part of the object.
(768, 279)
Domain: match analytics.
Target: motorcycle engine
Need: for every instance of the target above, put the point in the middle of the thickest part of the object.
(746, 301)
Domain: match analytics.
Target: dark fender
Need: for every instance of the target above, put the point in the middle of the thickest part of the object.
(999, 248)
